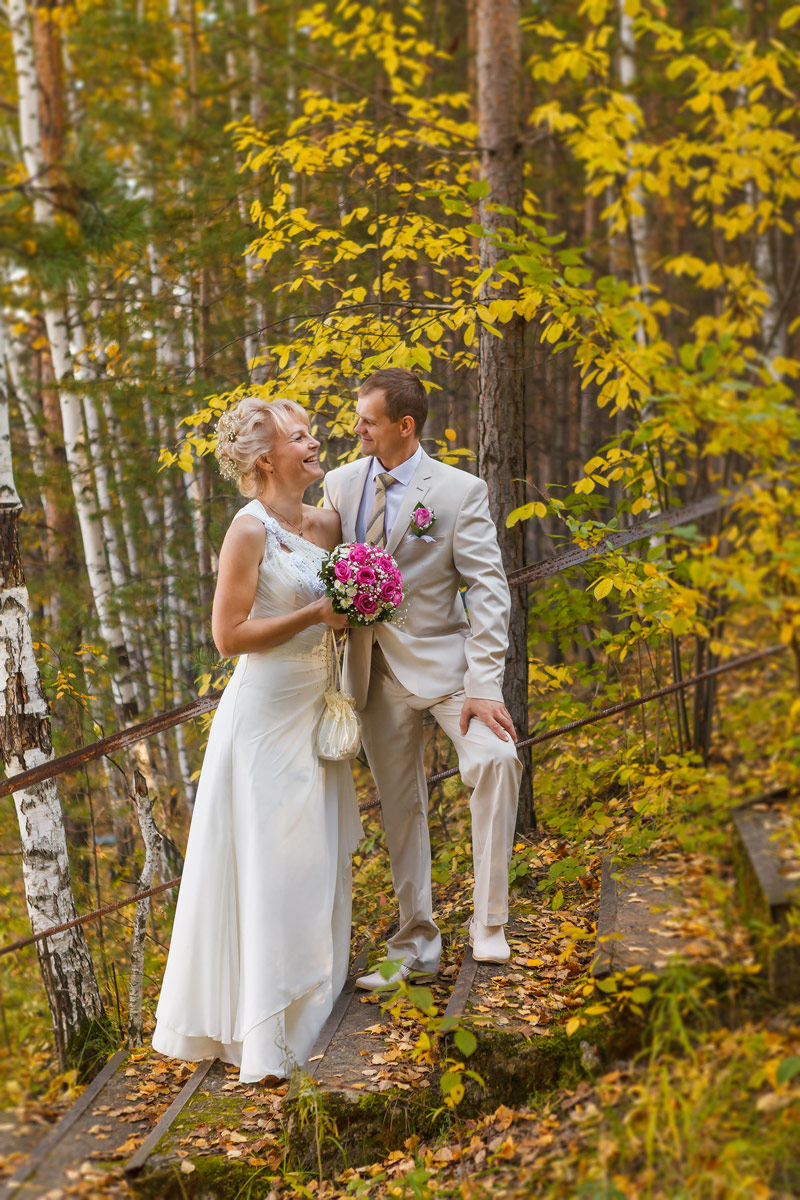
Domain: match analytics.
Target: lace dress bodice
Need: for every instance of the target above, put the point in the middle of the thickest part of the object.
(288, 579)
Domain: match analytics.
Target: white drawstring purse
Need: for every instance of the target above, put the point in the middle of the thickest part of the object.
(339, 729)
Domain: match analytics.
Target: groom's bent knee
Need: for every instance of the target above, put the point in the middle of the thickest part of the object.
(496, 759)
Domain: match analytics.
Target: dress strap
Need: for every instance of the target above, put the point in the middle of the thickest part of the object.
(275, 533)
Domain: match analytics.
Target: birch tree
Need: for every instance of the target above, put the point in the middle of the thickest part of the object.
(637, 214)
(153, 843)
(25, 742)
(36, 168)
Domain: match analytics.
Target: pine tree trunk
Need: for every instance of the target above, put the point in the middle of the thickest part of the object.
(501, 439)
(25, 742)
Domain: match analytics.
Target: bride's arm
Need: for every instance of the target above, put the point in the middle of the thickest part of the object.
(233, 630)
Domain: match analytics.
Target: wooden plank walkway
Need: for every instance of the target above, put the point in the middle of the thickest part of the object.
(70, 1138)
(361, 1063)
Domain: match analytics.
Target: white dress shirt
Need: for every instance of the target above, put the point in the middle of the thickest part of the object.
(394, 495)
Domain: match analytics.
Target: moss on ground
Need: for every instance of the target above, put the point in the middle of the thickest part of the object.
(215, 1177)
(336, 1130)
(518, 1070)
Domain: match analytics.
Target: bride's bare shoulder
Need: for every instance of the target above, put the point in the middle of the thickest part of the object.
(324, 525)
(245, 536)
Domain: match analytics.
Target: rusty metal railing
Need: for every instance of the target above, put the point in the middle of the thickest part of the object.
(735, 664)
(651, 527)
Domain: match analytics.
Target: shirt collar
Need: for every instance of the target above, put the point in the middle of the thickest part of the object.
(403, 472)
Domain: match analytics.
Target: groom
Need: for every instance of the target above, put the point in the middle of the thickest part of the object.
(433, 658)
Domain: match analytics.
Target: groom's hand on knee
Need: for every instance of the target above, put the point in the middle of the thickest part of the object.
(493, 713)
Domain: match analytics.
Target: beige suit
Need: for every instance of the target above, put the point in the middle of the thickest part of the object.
(430, 658)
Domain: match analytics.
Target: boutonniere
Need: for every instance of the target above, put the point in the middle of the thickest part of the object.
(422, 520)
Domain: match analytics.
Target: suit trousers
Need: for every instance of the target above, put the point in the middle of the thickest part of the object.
(394, 743)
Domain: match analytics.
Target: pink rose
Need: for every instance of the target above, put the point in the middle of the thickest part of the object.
(342, 571)
(367, 605)
(366, 576)
(388, 591)
(396, 576)
(422, 518)
(358, 553)
(385, 562)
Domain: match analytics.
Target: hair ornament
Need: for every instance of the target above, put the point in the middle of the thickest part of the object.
(228, 470)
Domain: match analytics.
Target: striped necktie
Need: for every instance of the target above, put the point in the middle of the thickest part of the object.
(376, 527)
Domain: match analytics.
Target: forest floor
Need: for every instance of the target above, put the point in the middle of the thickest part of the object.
(680, 1083)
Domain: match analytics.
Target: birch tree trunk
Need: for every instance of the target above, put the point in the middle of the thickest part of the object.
(637, 219)
(32, 430)
(152, 856)
(36, 169)
(116, 565)
(25, 742)
(256, 107)
(501, 439)
(174, 622)
(765, 262)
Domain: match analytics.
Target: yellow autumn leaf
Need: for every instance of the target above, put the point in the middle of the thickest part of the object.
(523, 513)
(789, 17)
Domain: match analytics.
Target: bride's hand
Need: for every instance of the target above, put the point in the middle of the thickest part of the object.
(334, 620)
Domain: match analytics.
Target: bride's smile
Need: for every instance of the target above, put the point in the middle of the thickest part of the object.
(293, 459)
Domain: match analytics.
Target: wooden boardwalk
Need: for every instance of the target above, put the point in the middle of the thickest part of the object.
(361, 1063)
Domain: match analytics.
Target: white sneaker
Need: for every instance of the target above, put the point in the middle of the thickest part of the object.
(375, 981)
(488, 943)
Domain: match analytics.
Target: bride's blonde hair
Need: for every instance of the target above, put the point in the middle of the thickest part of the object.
(247, 431)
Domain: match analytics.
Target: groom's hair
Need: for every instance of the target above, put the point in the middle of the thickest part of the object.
(405, 396)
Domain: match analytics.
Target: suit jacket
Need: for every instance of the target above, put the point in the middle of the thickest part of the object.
(432, 648)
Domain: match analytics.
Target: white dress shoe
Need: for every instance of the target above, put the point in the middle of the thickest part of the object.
(488, 943)
(375, 981)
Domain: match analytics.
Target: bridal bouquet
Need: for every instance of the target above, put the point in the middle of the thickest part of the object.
(362, 582)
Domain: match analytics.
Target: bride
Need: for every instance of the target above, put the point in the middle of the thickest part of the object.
(261, 938)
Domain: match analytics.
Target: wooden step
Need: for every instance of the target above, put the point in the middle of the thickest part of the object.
(768, 841)
(635, 922)
(519, 1024)
(20, 1134)
(98, 1133)
(69, 1142)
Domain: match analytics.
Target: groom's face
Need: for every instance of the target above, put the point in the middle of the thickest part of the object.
(380, 435)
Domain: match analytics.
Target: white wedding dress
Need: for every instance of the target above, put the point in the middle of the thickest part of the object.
(261, 938)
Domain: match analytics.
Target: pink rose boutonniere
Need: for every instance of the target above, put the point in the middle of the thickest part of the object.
(422, 520)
